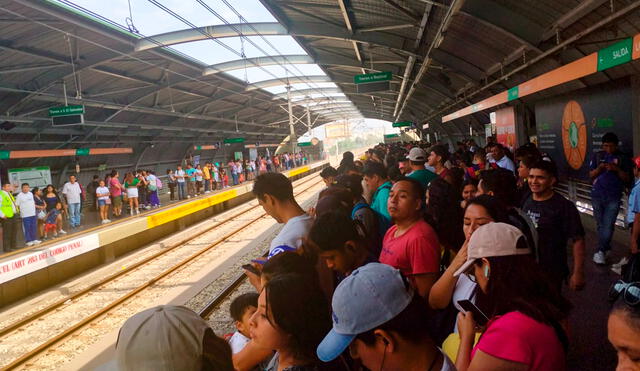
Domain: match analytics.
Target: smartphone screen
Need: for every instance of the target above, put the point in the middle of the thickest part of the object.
(480, 318)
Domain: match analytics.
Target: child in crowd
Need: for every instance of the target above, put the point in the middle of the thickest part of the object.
(242, 308)
(51, 221)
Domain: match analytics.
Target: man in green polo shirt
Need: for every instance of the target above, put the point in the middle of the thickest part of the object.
(417, 158)
(8, 217)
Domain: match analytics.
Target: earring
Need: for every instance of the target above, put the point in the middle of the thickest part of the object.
(486, 272)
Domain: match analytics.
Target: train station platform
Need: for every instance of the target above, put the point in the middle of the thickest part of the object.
(30, 270)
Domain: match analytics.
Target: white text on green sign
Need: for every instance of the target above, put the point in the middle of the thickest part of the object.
(66, 111)
(372, 77)
(401, 124)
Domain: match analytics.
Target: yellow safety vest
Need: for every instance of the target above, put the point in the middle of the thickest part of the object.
(8, 204)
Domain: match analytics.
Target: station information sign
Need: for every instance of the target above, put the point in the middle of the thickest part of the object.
(401, 124)
(67, 115)
(372, 77)
(233, 140)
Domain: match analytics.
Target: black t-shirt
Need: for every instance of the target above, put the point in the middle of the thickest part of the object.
(557, 221)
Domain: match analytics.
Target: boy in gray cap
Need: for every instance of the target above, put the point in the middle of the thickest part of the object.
(393, 336)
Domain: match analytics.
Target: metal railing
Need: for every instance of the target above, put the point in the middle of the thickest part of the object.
(579, 193)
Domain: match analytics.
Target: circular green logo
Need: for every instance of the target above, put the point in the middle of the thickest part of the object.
(573, 134)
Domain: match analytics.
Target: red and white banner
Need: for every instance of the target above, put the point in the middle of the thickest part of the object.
(25, 264)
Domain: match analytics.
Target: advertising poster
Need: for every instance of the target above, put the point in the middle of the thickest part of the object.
(570, 127)
(36, 177)
(506, 127)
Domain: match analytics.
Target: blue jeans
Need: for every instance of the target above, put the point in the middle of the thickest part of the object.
(74, 214)
(605, 211)
(182, 191)
(29, 227)
(235, 178)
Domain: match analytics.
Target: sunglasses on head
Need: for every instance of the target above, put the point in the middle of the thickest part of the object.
(630, 292)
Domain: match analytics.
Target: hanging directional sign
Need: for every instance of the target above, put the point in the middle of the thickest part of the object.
(372, 82)
(615, 54)
(389, 136)
(372, 77)
(67, 115)
(233, 140)
(401, 124)
(304, 144)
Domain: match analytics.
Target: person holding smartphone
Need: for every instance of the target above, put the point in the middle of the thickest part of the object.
(525, 311)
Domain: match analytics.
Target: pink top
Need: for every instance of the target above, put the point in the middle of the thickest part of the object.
(415, 252)
(519, 338)
(114, 187)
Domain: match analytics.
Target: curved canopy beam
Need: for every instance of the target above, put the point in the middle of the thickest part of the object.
(275, 60)
(291, 80)
(327, 31)
(305, 92)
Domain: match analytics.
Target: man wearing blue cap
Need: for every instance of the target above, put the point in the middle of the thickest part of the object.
(392, 336)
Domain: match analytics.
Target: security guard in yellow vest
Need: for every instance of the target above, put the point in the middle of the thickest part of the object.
(8, 217)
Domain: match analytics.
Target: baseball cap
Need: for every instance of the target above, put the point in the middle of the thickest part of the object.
(493, 239)
(166, 337)
(370, 296)
(417, 154)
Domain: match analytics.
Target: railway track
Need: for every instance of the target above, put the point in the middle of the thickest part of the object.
(110, 300)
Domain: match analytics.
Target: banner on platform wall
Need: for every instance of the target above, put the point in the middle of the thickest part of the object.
(570, 127)
(25, 264)
(506, 127)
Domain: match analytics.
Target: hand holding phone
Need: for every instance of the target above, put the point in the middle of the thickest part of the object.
(480, 318)
(252, 269)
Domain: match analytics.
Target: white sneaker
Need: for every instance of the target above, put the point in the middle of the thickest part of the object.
(147, 207)
(36, 242)
(107, 221)
(138, 212)
(30, 243)
(599, 258)
(62, 231)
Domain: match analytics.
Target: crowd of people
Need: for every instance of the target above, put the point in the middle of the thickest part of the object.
(42, 213)
(415, 258)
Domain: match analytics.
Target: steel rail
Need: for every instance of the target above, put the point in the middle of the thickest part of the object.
(66, 333)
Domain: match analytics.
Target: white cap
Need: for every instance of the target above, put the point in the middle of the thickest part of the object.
(165, 337)
(417, 154)
(493, 239)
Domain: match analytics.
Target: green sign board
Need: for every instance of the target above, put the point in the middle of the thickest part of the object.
(234, 140)
(304, 144)
(4, 155)
(102, 167)
(66, 111)
(372, 77)
(82, 152)
(401, 124)
(513, 93)
(604, 123)
(615, 54)
(389, 136)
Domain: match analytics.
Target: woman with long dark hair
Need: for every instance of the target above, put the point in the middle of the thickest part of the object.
(442, 215)
(51, 198)
(279, 323)
(525, 311)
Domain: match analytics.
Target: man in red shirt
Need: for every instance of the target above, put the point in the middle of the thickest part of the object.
(411, 245)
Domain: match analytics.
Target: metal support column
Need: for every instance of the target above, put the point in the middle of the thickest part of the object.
(308, 120)
(292, 131)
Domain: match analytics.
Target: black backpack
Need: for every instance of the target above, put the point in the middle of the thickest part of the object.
(631, 270)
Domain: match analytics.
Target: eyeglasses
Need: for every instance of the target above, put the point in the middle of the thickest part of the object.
(630, 292)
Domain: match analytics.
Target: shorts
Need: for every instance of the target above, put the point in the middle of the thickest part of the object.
(132, 192)
(50, 228)
(117, 201)
(102, 202)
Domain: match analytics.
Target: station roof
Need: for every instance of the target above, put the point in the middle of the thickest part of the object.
(443, 55)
